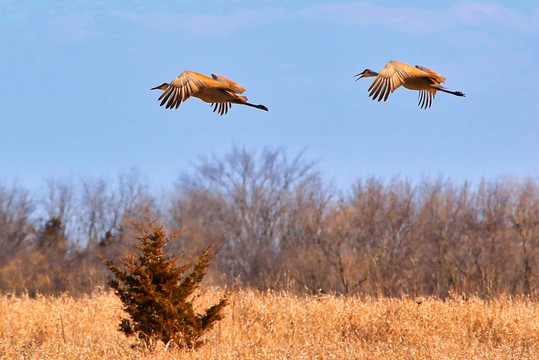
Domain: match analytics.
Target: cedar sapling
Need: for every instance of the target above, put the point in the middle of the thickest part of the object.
(157, 289)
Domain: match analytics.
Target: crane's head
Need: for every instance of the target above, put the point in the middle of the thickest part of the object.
(163, 86)
(366, 73)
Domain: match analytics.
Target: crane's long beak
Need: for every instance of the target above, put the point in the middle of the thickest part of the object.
(360, 75)
(163, 86)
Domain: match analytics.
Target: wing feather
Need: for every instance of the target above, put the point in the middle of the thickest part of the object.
(433, 74)
(426, 97)
(163, 94)
(221, 108)
(173, 101)
(166, 95)
(231, 85)
(184, 86)
(390, 78)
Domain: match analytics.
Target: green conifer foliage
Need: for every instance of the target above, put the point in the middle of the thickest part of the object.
(157, 291)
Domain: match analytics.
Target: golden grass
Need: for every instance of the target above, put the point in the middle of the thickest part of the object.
(282, 326)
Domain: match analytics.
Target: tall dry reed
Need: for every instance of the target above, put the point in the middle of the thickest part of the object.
(281, 326)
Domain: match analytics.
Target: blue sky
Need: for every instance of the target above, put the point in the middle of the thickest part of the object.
(76, 78)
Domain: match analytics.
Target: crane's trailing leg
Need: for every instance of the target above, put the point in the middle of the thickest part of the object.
(456, 93)
(261, 107)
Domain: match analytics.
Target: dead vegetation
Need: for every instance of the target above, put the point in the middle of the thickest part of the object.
(273, 325)
(278, 224)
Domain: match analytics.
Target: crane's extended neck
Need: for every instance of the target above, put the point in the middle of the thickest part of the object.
(366, 73)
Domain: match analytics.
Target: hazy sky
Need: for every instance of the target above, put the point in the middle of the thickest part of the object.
(76, 77)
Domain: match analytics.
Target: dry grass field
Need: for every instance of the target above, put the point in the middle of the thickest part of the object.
(282, 326)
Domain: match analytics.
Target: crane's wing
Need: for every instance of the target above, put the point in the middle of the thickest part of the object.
(433, 74)
(185, 85)
(235, 87)
(390, 78)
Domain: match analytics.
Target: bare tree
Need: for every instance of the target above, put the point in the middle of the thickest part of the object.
(104, 203)
(58, 203)
(17, 230)
(301, 255)
(526, 226)
(250, 198)
(96, 215)
(484, 255)
(440, 235)
(278, 224)
(366, 237)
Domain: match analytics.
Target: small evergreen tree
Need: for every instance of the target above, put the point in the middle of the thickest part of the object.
(157, 294)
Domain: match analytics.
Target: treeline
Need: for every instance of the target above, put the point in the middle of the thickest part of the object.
(278, 224)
